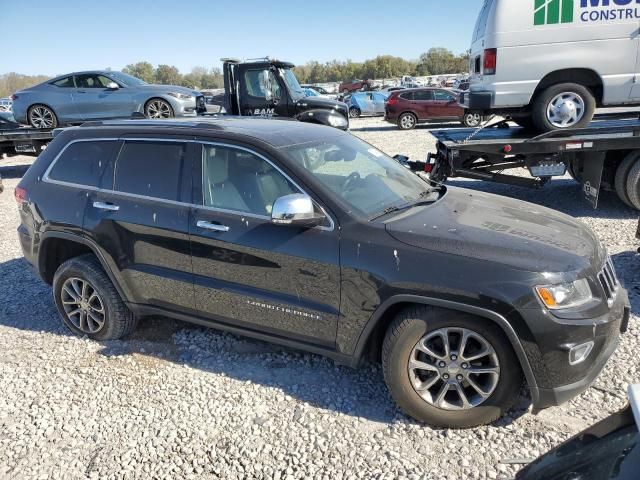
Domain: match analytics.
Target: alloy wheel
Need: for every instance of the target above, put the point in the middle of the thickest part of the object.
(82, 305)
(565, 110)
(407, 122)
(454, 368)
(41, 117)
(473, 119)
(158, 109)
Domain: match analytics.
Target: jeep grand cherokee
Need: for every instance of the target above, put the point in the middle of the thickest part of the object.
(307, 236)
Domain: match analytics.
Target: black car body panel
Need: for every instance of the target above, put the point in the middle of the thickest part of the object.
(327, 289)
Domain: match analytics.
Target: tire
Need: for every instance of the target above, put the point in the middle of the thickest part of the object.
(472, 119)
(622, 175)
(42, 116)
(554, 93)
(574, 171)
(354, 112)
(117, 319)
(157, 108)
(412, 326)
(407, 121)
(633, 184)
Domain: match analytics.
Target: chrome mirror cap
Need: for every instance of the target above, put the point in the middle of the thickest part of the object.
(296, 209)
(113, 86)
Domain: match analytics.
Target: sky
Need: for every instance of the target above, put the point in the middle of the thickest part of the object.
(56, 37)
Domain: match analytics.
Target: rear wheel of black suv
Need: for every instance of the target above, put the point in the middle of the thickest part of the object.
(449, 369)
(88, 302)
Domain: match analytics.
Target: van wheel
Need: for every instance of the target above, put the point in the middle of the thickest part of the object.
(449, 369)
(622, 175)
(566, 105)
(471, 119)
(88, 302)
(633, 184)
(407, 121)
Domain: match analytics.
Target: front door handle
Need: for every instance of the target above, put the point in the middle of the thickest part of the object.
(106, 206)
(216, 227)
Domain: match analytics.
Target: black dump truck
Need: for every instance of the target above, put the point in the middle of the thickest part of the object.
(603, 156)
(268, 88)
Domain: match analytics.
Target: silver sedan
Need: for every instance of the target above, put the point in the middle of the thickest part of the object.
(98, 95)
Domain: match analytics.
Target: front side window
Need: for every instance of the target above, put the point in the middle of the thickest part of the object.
(66, 82)
(443, 96)
(92, 81)
(84, 163)
(240, 181)
(152, 169)
(256, 82)
(366, 179)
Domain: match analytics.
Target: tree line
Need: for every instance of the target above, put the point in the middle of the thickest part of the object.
(436, 61)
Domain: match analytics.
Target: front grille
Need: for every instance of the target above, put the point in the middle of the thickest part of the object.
(609, 280)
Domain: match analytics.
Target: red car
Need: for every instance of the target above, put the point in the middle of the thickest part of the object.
(355, 86)
(407, 108)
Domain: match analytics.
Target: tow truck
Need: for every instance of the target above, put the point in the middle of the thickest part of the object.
(265, 87)
(603, 156)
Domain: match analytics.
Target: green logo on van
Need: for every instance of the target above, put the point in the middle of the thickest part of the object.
(551, 12)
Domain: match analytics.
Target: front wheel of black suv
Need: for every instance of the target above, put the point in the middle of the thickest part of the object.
(449, 369)
(88, 302)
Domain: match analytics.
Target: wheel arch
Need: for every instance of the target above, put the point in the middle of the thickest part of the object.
(374, 331)
(584, 76)
(57, 247)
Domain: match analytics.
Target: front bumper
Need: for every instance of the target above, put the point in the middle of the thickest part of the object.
(556, 380)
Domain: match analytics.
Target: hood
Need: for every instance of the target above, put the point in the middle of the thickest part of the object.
(309, 103)
(170, 88)
(499, 229)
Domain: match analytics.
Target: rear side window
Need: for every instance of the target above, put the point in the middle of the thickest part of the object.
(423, 95)
(84, 163)
(152, 169)
(66, 82)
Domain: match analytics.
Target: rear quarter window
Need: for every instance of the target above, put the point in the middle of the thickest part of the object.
(152, 169)
(483, 19)
(407, 96)
(85, 163)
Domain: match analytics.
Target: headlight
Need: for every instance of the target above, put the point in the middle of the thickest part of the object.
(338, 121)
(181, 96)
(565, 295)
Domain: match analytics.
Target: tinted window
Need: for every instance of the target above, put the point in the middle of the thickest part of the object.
(153, 169)
(423, 95)
(407, 96)
(84, 163)
(66, 82)
(240, 181)
(441, 95)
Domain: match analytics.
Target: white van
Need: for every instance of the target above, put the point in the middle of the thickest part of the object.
(550, 63)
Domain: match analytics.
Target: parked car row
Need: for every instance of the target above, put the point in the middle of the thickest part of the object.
(96, 95)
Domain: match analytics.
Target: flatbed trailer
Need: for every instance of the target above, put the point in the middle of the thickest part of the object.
(16, 139)
(603, 156)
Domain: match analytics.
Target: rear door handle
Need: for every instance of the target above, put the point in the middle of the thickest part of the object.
(106, 206)
(216, 227)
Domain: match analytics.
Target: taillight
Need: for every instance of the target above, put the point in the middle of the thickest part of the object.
(14, 97)
(392, 101)
(490, 61)
(21, 195)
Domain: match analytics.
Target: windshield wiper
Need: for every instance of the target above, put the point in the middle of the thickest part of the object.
(423, 199)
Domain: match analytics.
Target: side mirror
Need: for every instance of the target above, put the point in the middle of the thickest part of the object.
(296, 209)
(113, 86)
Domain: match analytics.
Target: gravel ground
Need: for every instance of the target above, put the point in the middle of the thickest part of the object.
(177, 401)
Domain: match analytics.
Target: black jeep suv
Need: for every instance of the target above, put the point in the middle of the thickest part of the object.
(304, 235)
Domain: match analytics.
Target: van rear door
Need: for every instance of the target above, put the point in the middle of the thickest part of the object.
(477, 42)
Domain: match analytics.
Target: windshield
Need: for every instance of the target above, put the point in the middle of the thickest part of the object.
(295, 90)
(366, 179)
(127, 80)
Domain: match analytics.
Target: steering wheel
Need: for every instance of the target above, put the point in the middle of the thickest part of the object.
(349, 183)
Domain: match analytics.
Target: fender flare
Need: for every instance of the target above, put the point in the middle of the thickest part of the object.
(322, 117)
(496, 318)
(88, 243)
